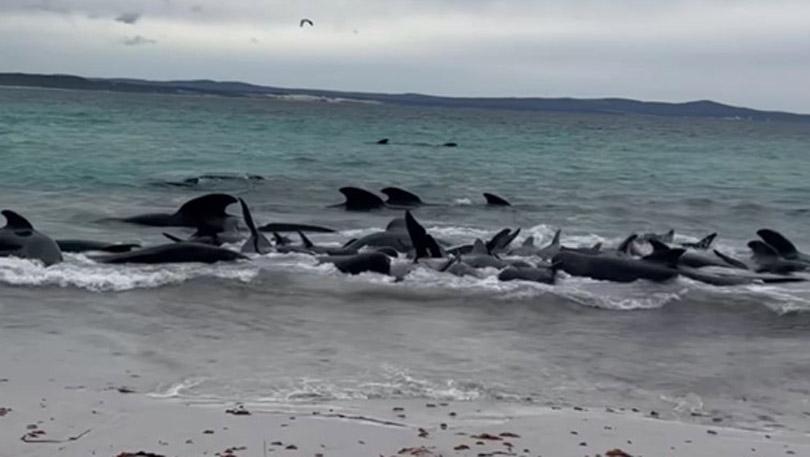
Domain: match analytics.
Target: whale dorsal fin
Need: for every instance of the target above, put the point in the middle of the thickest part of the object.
(762, 249)
(495, 200)
(528, 242)
(776, 240)
(494, 242)
(307, 243)
(659, 246)
(397, 223)
(704, 244)
(624, 247)
(479, 248)
(201, 209)
(248, 217)
(360, 199)
(555, 242)
(256, 243)
(16, 222)
(397, 196)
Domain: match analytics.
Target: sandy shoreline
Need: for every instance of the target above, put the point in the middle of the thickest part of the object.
(80, 420)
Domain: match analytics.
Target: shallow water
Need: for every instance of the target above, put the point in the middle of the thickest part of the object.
(281, 328)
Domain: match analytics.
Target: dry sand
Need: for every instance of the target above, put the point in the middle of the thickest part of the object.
(49, 417)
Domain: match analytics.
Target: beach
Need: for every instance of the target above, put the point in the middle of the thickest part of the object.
(62, 416)
(107, 359)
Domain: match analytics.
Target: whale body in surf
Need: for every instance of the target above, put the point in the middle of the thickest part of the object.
(182, 252)
(18, 238)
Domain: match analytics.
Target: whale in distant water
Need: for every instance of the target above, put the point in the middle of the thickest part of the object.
(18, 238)
(207, 211)
(494, 200)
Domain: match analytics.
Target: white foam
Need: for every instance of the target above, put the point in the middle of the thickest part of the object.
(81, 272)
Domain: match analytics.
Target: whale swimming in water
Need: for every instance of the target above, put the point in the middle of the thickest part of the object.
(207, 211)
(18, 238)
(401, 197)
(494, 200)
(358, 199)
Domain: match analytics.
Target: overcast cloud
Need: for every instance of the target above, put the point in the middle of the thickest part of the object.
(753, 53)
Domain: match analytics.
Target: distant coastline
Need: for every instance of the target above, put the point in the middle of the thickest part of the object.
(700, 108)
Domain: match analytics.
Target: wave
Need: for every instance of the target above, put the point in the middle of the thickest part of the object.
(389, 383)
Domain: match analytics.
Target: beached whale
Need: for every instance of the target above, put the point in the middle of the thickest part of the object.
(367, 262)
(18, 238)
(182, 252)
(90, 245)
(661, 266)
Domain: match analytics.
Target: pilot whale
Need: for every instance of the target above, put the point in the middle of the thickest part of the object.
(18, 238)
(207, 211)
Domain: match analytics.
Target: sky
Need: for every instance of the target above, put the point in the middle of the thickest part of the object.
(744, 52)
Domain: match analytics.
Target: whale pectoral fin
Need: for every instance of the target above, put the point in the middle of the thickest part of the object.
(776, 240)
(528, 242)
(307, 243)
(479, 248)
(597, 247)
(248, 217)
(418, 236)
(16, 222)
(730, 260)
(172, 237)
(360, 199)
(201, 209)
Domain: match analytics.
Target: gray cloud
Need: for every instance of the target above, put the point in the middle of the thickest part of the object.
(128, 18)
(137, 40)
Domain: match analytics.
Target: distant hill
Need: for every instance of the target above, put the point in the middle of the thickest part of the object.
(701, 108)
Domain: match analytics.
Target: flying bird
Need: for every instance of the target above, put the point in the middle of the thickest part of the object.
(305, 21)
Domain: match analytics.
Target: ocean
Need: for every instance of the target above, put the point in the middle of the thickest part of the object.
(282, 330)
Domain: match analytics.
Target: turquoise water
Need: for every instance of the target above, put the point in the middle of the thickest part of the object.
(282, 329)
